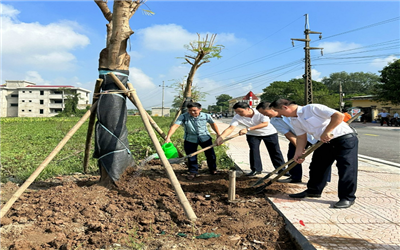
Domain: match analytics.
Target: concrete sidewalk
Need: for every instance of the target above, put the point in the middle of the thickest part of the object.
(373, 222)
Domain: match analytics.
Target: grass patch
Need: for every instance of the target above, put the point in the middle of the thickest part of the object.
(26, 142)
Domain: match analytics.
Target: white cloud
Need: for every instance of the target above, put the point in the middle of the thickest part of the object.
(331, 47)
(35, 77)
(315, 75)
(382, 62)
(172, 37)
(37, 45)
(165, 37)
(8, 11)
(54, 60)
(139, 79)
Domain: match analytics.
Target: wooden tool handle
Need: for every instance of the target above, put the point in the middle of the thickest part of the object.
(211, 146)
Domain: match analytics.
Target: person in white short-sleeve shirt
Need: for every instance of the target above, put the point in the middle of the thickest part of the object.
(258, 128)
(340, 145)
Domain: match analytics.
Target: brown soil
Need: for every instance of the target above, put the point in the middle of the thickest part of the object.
(73, 212)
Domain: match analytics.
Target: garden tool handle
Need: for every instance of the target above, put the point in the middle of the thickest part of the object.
(211, 146)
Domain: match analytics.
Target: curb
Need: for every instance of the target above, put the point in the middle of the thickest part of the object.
(390, 163)
(301, 242)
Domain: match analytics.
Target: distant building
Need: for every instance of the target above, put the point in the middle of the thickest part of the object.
(26, 99)
(252, 99)
(372, 108)
(158, 111)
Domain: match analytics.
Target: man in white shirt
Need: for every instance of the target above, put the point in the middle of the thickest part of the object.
(257, 129)
(340, 144)
(395, 121)
(384, 117)
(282, 124)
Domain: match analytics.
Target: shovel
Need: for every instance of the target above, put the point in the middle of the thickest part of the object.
(180, 160)
(261, 180)
(293, 164)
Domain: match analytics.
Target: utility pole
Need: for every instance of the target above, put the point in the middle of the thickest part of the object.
(308, 93)
(341, 94)
(162, 103)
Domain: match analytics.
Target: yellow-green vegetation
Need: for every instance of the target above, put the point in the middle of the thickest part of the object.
(26, 142)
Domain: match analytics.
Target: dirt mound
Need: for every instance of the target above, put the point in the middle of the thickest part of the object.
(73, 212)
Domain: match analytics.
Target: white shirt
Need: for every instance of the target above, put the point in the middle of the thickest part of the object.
(253, 121)
(282, 124)
(314, 118)
(383, 114)
(396, 115)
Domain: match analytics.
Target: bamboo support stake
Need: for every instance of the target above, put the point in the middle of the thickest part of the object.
(152, 122)
(50, 157)
(170, 172)
(232, 185)
(92, 119)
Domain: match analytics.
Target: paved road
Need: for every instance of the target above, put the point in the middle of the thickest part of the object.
(379, 142)
(375, 141)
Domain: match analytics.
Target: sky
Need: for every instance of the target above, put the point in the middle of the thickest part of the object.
(58, 43)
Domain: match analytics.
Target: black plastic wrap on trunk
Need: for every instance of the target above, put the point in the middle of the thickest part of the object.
(111, 134)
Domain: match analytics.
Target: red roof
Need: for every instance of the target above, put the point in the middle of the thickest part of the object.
(50, 86)
(253, 96)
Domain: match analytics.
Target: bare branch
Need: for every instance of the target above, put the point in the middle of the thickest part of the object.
(134, 6)
(191, 57)
(104, 9)
(187, 60)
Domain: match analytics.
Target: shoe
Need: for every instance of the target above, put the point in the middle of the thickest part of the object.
(343, 204)
(215, 172)
(191, 176)
(253, 173)
(304, 194)
(286, 174)
(289, 180)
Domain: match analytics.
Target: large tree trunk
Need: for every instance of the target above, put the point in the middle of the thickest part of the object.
(111, 143)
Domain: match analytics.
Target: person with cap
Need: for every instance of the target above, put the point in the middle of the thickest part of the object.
(340, 144)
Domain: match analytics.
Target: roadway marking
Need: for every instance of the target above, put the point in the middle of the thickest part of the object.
(371, 134)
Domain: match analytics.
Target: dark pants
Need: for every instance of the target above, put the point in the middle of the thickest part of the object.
(296, 173)
(274, 151)
(191, 147)
(385, 119)
(345, 152)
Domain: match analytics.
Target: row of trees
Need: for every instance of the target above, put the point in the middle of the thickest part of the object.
(385, 88)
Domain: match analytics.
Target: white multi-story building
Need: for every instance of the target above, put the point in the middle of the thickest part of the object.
(26, 99)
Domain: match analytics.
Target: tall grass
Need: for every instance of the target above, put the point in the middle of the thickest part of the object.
(26, 142)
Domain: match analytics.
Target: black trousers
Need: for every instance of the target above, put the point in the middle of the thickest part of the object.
(385, 119)
(274, 151)
(191, 147)
(296, 173)
(345, 152)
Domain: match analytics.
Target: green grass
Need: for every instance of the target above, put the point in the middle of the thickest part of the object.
(26, 142)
